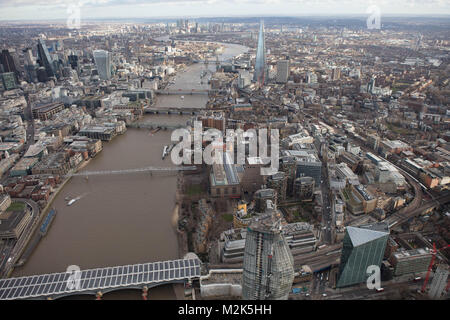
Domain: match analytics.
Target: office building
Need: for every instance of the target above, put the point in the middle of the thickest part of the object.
(268, 268)
(224, 179)
(73, 61)
(8, 80)
(262, 196)
(289, 166)
(45, 60)
(410, 261)
(304, 188)
(363, 246)
(7, 61)
(47, 111)
(310, 166)
(260, 63)
(282, 71)
(278, 182)
(335, 74)
(28, 55)
(103, 63)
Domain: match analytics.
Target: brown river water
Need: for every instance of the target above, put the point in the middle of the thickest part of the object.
(122, 219)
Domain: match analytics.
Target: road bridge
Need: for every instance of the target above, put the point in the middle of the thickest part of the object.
(138, 276)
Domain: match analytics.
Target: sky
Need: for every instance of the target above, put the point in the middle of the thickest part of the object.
(91, 9)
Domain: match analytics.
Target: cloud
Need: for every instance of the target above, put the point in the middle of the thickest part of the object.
(43, 9)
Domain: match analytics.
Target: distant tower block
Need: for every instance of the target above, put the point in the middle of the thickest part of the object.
(439, 282)
(268, 263)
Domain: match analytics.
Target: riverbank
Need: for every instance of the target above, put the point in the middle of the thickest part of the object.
(34, 234)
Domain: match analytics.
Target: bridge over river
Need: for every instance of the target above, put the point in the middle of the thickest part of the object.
(183, 92)
(104, 280)
(137, 170)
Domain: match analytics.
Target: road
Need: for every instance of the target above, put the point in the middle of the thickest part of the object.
(328, 223)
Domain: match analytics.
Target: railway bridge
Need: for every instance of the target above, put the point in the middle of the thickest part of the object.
(103, 280)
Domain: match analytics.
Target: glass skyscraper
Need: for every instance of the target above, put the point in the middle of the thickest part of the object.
(103, 62)
(260, 64)
(45, 59)
(268, 263)
(363, 246)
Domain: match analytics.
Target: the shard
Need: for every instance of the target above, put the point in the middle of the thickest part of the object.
(260, 64)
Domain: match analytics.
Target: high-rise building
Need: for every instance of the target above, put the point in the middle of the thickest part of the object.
(371, 85)
(7, 61)
(73, 61)
(282, 71)
(28, 54)
(310, 166)
(289, 167)
(268, 268)
(45, 60)
(260, 64)
(439, 282)
(278, 182)
(363, 246)
(335, 74)
(103, 62)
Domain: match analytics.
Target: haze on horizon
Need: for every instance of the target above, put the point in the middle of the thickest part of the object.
(92, 9)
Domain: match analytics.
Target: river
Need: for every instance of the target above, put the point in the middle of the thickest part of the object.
(121, 219)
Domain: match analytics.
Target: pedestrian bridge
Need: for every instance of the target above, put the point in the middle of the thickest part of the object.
(182, 92)
(128, 171)
(58, 285)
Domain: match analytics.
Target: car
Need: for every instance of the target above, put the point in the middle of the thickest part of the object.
(380, 289)
(324, 295)
(307, 294)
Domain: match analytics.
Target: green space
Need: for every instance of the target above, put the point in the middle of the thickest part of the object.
(227, 217)
(16, 206)
(298, 217)
(193, 190)
(398, 130)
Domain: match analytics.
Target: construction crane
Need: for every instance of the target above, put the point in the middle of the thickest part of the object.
(431, 266)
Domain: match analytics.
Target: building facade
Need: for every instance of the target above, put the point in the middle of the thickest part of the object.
(268, 269)
(363, 246)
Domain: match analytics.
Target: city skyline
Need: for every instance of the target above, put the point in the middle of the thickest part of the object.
(94, 9)
(135, 160)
